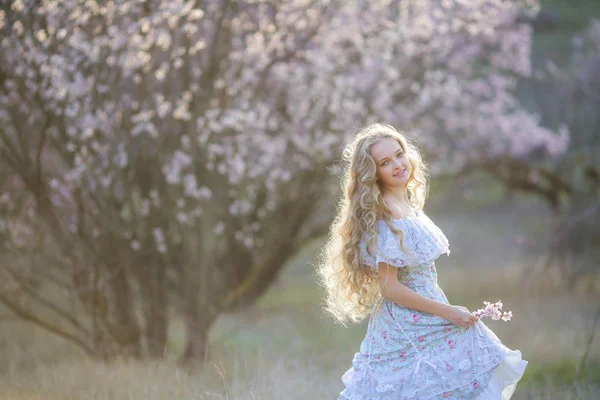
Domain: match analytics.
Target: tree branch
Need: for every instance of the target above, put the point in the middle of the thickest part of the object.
(28, 316)
(46, 303)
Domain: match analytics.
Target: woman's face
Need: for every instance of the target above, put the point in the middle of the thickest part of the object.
(393, 166)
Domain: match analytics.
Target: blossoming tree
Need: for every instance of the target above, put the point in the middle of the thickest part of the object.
(168, 155)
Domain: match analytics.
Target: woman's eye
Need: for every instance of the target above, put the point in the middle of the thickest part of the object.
(383, 163)
(399, 154)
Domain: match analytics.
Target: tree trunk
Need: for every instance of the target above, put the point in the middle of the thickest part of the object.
(128, 329)
(155, 311)
(104, 347)
(197, 329)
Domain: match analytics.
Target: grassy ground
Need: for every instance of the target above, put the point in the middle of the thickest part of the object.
(285, 348)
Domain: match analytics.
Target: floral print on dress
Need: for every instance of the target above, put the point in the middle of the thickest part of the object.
(412, 355)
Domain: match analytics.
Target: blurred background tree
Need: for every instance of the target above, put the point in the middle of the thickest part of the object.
(165, 159)
(570, 95)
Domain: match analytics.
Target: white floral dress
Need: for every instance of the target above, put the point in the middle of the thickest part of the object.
(412, 355)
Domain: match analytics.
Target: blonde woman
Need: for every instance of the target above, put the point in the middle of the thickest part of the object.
(379, 261)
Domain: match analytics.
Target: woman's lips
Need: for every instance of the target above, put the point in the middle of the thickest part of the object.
(401, 173)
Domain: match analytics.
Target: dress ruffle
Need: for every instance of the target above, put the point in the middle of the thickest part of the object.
(504, 378)
(422, 238)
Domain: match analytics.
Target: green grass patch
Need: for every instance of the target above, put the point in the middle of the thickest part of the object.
(560, 373)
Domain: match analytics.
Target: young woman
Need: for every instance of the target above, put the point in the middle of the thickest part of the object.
(380, 261)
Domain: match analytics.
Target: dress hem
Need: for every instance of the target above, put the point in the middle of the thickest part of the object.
(501, 385)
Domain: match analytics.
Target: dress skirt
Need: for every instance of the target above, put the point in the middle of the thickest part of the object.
(412, 355)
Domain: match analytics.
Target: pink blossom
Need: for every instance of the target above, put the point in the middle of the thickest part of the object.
(494, 311)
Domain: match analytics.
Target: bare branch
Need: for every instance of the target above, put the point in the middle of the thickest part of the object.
(45, 302)
(28, 316)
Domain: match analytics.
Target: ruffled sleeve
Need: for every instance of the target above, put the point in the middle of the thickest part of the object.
(424, 241)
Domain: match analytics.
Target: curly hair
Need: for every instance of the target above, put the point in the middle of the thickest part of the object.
(351, 288)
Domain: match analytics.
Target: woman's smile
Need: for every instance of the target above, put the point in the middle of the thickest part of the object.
(400, 173)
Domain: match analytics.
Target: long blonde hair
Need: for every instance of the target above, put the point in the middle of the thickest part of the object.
(351, 288)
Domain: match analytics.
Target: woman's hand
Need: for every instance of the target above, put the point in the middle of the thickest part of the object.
(460, 316)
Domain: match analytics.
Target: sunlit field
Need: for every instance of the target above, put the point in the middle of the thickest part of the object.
(285, 348)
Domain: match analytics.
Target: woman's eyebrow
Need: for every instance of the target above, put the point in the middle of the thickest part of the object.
(385, 158)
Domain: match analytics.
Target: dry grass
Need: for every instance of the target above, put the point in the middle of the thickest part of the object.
(260, 379)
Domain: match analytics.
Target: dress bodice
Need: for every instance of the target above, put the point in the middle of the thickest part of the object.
(424, 274)
(423, 240)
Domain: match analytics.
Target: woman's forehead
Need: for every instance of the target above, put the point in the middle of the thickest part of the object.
(386, 147)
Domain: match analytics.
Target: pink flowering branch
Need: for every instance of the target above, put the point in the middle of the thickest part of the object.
(493, 311)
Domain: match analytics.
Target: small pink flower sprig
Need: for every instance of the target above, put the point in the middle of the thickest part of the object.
(494, 311)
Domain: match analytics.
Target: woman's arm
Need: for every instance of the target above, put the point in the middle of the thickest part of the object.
(395, 291)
